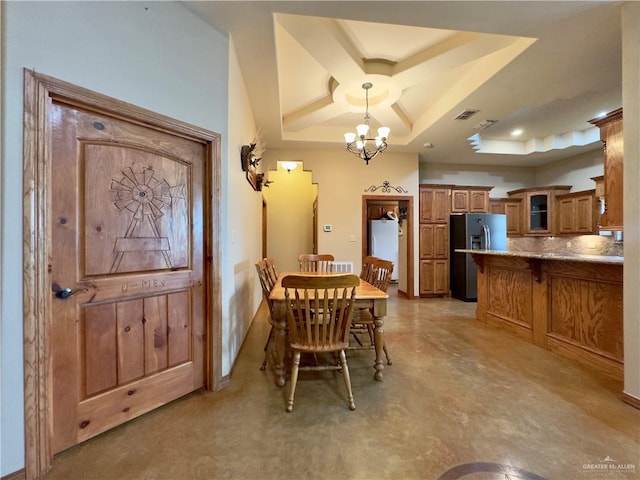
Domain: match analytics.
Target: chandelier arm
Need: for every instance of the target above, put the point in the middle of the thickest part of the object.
(366, 148)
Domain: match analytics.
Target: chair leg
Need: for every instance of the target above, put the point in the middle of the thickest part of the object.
(347, 380)
(294, 380)
(386, 353)
(266, 350)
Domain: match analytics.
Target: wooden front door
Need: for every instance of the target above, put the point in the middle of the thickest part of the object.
(128, 302)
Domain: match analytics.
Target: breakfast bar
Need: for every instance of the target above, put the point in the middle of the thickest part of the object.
(566, 303)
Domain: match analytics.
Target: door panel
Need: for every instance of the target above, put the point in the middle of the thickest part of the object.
(127, 239)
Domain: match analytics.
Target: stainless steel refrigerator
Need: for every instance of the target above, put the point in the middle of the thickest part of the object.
(472, 231)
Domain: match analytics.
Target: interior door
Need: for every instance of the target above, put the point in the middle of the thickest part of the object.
(128, 308)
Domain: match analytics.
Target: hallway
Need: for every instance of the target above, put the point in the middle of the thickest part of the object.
(457, 393)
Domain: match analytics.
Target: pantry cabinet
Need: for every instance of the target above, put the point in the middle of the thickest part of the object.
(434, 277)
(434, 241)
(434, 203)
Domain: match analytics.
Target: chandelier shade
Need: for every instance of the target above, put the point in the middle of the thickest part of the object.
(358, 143)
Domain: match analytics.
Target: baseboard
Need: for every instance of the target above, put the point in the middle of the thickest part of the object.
(633, 401)
(17, 475)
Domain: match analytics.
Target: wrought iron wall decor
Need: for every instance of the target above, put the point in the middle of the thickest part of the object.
(386, 187)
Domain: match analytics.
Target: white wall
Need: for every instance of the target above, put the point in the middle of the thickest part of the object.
(342, 179)
(575, 171)
(242, 231)
(156, 55)
(503, 179)
(631, 105)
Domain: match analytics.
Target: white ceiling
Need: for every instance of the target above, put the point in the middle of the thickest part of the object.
(545, 67)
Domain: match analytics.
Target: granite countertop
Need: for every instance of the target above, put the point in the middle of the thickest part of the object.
(572, 257)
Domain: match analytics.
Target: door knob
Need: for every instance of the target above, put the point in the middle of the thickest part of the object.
(64, 293)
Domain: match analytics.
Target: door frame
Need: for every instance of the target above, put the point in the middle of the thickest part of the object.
(408, 232)
(39, 93)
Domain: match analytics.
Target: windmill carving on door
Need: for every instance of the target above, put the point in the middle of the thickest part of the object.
(145, 196)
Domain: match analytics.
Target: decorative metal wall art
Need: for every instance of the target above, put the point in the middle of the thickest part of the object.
(386, 187)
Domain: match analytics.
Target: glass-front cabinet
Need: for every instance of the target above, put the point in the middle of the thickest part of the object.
(538, 212)
(538, 208)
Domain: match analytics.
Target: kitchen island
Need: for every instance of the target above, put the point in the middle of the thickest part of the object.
(567, 303)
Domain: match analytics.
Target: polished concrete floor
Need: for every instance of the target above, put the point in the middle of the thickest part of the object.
(460, 401)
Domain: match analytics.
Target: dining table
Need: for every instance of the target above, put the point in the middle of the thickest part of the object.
(366, 296)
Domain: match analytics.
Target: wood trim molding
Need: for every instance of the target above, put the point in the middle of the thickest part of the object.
(39, 93)
(17, 475)
(633, 401)
(409, 233)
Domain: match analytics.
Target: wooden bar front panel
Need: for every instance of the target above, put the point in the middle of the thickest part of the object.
(572, 308)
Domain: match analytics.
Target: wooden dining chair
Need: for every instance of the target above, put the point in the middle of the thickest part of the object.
(377, 272)
(271, 270)
(315, 262)
(331, 298)
(367, 266)
(268, 276)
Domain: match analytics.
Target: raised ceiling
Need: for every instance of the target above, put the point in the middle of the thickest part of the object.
(545, 67)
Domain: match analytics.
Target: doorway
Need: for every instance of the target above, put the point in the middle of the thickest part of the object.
(405, 261)
(111, 255)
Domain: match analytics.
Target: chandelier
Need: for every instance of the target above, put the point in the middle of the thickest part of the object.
(360, 145)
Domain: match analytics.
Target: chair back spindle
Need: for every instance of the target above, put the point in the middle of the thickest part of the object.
(319, 315)
(316, 262)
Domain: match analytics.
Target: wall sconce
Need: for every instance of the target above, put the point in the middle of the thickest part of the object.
(288, 166)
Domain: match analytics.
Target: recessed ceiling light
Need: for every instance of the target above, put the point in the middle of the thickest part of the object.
(428, 145)
(517, 132)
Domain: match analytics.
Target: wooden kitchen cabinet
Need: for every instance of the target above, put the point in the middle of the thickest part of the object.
(577, 213)
(434, 277)
(470, 199)
(538, 209)
(611, 135)
(434, 241)
(434, 203)
(512, 208)
(377, 211)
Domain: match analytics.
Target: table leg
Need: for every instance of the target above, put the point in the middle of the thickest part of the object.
(279, 344)
(378, 338)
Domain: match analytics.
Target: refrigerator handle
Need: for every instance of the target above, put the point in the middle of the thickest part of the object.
(487, 237)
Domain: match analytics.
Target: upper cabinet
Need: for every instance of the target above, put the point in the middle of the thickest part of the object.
(577, 213)
(379, 210)
(434, 203)
(470, 199)
(611, 136)
(538, 209)
(512, 208)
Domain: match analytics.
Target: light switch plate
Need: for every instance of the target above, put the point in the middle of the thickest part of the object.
(327, 228)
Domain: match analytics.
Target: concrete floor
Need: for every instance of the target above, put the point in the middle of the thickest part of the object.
(461, 401)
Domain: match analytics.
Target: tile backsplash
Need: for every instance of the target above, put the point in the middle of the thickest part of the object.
(578, 244)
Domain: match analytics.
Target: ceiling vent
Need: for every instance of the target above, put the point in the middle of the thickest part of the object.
(465, 115)
(484, 124)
